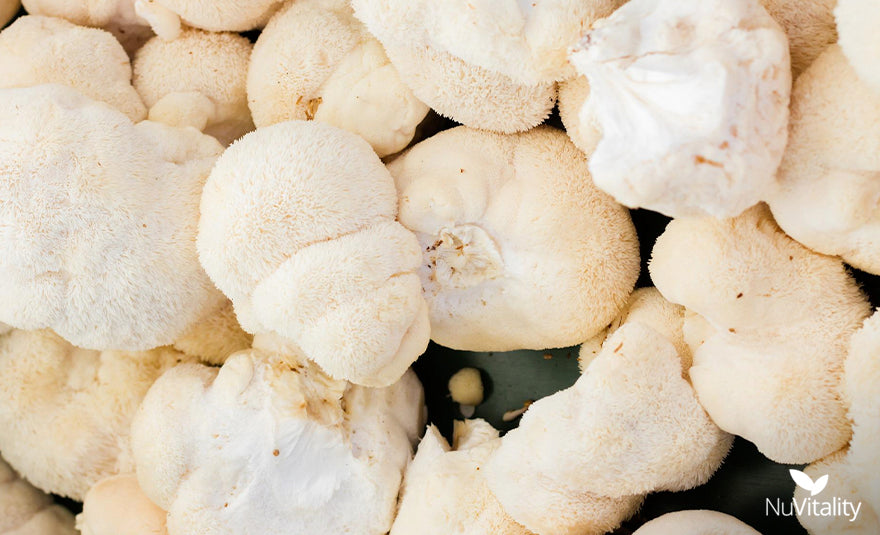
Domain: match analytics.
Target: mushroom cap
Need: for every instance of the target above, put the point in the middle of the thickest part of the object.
(297, 229)
(66, 412)
(95, 13)
(776, 319)
(8, 9)
(520, 250)
(523, 40)
(693, 114)
(45, 50)
(270, 444)
(630, 425)
(466, 387)
(215, 337)
(861, 380)
(857, 23)
(25, 510)
(695, 522)
(468, 94)
(444, 490)
(829, 180)
(316, 61)
(98, 220)
(117, 506)
(211, 65)
(584, 132)
(842, 484)
(809, 25)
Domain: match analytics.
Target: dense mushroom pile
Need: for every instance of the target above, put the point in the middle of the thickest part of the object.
(222, 252)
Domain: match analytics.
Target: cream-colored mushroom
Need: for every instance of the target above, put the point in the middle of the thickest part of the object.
(520, 250)
(314, 60)
(856, 23)
(45, 50)
(25, 510)
(215, 337)
(298, 229)
(117, 506)
(199, 79)
(829, 180)
(774, 319)
(696, 522)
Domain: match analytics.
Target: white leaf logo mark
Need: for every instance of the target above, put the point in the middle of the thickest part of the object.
(803, 481)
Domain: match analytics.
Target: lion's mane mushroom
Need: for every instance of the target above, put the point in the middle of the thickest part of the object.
(270, 444)
(116, 16)
(857, 25)
(695, 522)
(775, 319)
(525, 41)
(38, 50)
(117, 506)
(520, 250)
(298, 229)
(829, 180)
(66, 412)
(199, 80)
(466, 93)
(25, 510)
(98, 220)
(314, 60)
(692, 102)
(630, 425)
(215, 337)
(445, 491)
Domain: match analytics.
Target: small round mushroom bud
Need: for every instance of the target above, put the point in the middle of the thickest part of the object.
(66, 412)
(316, 61)
(828, 187)
(30, 50)
(581, 128)
(117, 506)
(198, 80)
(445, 488)
(466, 387)
(27, 510)
(774, 319)
(692, 102)
(298, 229)
(98, 221)
(469, 94)
(857, 22)
(696, 522)
(519, 249)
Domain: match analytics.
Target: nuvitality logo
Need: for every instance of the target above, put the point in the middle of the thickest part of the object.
(812, 506)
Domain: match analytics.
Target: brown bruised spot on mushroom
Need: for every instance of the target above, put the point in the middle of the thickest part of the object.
(312, 108)
(276, 453)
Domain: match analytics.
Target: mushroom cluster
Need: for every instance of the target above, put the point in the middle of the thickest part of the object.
(234, 234)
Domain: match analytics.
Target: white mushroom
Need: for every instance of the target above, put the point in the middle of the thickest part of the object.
(466, 93)
(520, 250)
(298, 229)
(167, 16)
(199, 80)
(692, 102)
(857, 24)
(38, 50)
(828, 181)
(314, 60)
(98, 221)
(774, 319)
(445, 492)
(66, 412)
(270, 444)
